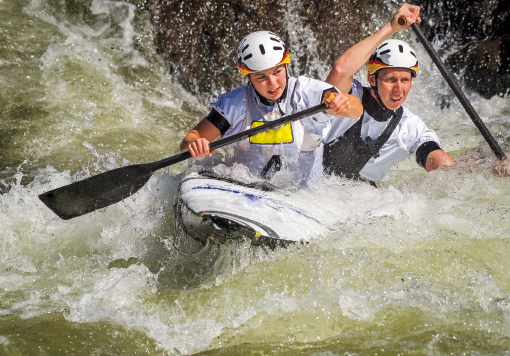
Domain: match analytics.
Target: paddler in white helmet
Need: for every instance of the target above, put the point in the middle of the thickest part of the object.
(270, 94)
(388, 132)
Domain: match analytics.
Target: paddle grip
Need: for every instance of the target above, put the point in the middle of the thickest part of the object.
(402, 20)
(329, 96)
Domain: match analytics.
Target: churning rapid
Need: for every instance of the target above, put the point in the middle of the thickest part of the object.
(418, 266)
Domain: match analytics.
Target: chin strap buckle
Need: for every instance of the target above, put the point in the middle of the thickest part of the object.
(371, 147)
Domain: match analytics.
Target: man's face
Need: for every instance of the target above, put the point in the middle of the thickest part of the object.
(393, 86)
(271, 82)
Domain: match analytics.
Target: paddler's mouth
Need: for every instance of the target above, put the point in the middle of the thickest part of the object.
(274, 92)
(397, 100)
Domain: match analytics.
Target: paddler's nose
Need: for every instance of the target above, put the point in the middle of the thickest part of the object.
(398, 86)
(272, 80)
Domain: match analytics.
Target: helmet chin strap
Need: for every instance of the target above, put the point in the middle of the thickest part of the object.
(377, 96)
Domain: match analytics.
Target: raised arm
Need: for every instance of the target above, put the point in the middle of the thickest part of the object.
(354, 58)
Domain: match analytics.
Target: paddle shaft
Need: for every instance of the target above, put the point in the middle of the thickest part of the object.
(458, 92)
(241, 136)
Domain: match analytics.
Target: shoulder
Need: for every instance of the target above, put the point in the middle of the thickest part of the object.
(408, 118)
(231, 105)
(236, 96)
(309, 92)
(414, 130)
(356, 89)
(311, 85)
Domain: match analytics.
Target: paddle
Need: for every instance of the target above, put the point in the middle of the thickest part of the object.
(456, 89)
(110, 187)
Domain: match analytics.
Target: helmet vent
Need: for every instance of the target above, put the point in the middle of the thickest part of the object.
(384, 52)
(248, 57)
(401, 48)
(384, 44)
(276, 48)
(274, 39)
(262, 50)
(413, 54)
(244, 49)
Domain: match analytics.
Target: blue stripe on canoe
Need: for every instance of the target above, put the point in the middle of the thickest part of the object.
(256, 197)
(251, 196)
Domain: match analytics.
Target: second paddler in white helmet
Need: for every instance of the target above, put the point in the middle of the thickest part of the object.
(388, 132)
(270, 93)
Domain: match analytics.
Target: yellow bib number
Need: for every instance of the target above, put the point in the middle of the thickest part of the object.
(271, 137)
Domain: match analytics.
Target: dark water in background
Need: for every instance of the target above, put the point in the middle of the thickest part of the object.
(417, 267)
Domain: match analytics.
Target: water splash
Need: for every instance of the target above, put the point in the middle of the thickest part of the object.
(419, 265)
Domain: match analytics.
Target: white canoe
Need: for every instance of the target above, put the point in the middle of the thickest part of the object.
(219, 209)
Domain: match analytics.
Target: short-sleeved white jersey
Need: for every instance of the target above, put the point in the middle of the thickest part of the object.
(410, 133)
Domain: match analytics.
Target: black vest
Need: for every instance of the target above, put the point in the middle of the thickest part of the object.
(348, 154)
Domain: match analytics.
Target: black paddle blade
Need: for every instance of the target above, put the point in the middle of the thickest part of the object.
(96, 192)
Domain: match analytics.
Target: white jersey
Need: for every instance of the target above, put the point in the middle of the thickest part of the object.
(303, 140)
(410, 133)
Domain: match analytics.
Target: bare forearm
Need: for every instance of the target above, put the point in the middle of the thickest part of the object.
(192, 136)
(436, 159)
(197, 140)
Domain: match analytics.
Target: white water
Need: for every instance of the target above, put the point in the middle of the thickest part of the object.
(418, 266)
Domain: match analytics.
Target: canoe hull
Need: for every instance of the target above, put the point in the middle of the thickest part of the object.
(211, 208)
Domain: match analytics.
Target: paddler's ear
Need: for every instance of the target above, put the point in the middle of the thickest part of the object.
(371, 79)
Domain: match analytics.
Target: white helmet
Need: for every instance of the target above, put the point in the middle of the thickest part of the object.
(393, 54)
(260, 51)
